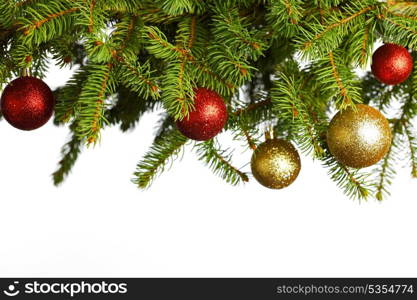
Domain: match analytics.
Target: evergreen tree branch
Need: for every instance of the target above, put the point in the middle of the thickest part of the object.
(285, 16)
(386, 172)
(306, 123)
(163, 150)
(400, 30)
(220, 162)
(343, 91)
(67, 96)
(55, 19)
(412, 146)
(139, 79)
(70, 152)
(336, 77)
(320, 39)
(92, 103)
(129, 108)
(352, 183)
(175, 7)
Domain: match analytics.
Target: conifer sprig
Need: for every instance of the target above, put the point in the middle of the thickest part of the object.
(136, 56)
(163, 151)
(92, 102)
(70, 152)
(219, 162)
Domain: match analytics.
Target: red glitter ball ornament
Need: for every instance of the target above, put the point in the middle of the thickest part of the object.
(208, 117)
(27, 103)
(392, 64)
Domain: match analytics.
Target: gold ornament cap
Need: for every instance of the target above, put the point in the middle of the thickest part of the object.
(359, 138)
(275, 163)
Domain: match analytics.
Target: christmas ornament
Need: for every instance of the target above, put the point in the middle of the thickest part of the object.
(275, 163)
(392, 64)
(27, 103)
(359, 138)
(208, 117)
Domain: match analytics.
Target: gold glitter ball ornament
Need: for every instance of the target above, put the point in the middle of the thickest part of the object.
(275, 163)
(359, 138)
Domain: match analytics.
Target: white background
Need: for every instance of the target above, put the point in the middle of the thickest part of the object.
(190, 223)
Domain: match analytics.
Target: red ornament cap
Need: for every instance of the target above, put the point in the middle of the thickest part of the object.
(208, 117)
(27, 103)
(392, 64)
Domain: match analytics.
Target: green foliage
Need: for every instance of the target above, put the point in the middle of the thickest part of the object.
(136, 56)
(399, 28)
(284, 17)
(386, 169)
(308, 124)
(179, 7)
(220, 162)
(129, 108)
(323, 35)
(67, 96)
(163, 151)
(44, 21)
(404, 145)
(8, 10)
(139, 78)
(70, 152)
(92, 102)
(353, 183)
(335, 76)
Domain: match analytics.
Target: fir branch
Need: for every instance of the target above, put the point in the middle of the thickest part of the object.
(250, 115)
(91, 16)
(92, 103)
(163, 150)
(129, 108)
(230, 29)
(343, 91)
(55, 19)
(320, 39)
(334, 25)
(158, 45)
(404, 7)
(139, 78)
(308, 126)
(306, 123)
(386, 171)
(252, 106)
(224, 63)
(359, 45)
(220, 162)
(175, 7)
(336, 77)
(165, 124)
(364, 53)
(350, 180)
(24, 2)
(248, 137)
(412, 147)
(126, 37)
(178, 91)
(399, 30)
(285, 16)
(8, 11)
(67, 97)
(70, 152)
(151, 14)
(211, 80)
(412, 18)
(124, 6)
